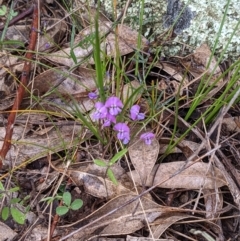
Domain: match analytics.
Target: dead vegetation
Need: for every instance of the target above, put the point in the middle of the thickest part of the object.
(184, 186)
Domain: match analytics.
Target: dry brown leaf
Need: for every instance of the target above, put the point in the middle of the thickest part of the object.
(143, 157)
(129, 89)
(6, 232)
(165, 222)
(94, 180)
(127, 42)
(232, 123)
(122, 221)
(132, 238)
(193, 177)
(32, 147)
(61, 82)
(67, 91)
(53, 34)
(213, 200)
(200, 63)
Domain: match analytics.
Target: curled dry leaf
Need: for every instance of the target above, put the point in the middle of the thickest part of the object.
(201, 61)
(165, 222)
(68, 91)
(124, 221)
(143, 157)
(213, 200)
(6, 232)
(130, 92)
(29, 146)
(96, 183)
(195, 176)
(232, 123)
(132, 238)
(127, 42)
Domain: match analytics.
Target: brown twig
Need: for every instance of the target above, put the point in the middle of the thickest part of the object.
(21, 89)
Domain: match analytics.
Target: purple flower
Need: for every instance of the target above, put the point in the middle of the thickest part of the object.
(147, 137)
(92, 95)
(101, 111)
(108, 120)
(123, 132)
(114, 104)
(134, 113)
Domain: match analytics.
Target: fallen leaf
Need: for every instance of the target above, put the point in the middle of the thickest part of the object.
(95, 182)
(123, 221)
(195, 176)
(143, 157)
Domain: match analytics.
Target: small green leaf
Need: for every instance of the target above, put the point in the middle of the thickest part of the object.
(17, 215)
(5, 213)
(12, 13)
(62, 210)
(118, 156)
(49, 199)
(67, 198)
(111, 176)
(3, 10)
(100, 163)
(76, 204)
(15, 200)
(14, 189)
(1, 187)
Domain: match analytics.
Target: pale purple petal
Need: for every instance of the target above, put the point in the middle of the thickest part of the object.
(147, 137)
(114, 104)
(134, 113)
(123, 132)
(92, 95)
(108, 120)
(101, 111)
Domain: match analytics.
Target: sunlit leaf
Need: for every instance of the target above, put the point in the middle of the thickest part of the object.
(76, 204)
(5, 213)
(111, 176)
(62, 210)
(100, 163)
(67, 198)
(17, 215)
(118, 156)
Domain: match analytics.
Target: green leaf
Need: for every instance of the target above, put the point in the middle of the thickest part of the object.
(49, 199)
(14, 189)
(118, 156)
(62, 210)
(15, 200)
(76, 204)
(5, 213)
(12, 13)
(17, 215)
(100, 163)
(1, 187)
(67, 198)
(3, 10)
(111, 176)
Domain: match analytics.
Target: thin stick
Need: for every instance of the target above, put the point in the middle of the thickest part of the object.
(21, 89)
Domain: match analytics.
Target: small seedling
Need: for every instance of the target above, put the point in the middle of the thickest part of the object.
(4, 12)
(110, 173)
(17, 215)
(68, 204)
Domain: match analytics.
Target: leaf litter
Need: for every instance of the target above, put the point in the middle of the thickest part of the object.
(48, 135)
